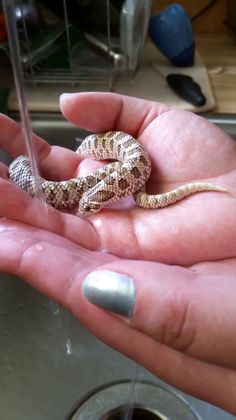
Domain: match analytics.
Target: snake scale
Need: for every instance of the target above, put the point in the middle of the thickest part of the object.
(125, 176)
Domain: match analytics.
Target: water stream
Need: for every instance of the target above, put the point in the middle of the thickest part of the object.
(13, 41)
(129, 410)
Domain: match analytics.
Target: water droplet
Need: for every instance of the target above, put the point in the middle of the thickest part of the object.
(39, 247)
(68, 347)
(97, 222)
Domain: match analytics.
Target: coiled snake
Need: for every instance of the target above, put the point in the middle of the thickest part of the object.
(109, 184)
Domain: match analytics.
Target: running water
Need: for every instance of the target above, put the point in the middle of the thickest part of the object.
(129, 409)
(13, 41)
(135, 374)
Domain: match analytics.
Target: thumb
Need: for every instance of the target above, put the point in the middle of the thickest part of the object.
(191, 312)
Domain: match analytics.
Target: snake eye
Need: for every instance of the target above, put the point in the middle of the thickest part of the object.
(93, 208)
(86, 208)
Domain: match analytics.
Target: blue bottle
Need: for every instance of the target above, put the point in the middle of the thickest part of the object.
(171, 31)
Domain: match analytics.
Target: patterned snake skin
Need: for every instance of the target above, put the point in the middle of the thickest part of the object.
(109, 184)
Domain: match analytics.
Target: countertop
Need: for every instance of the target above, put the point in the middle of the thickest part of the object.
(219, 54)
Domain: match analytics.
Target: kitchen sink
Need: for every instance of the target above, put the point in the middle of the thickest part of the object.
(52, 368)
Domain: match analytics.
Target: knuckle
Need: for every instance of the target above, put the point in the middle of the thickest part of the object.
(178, 328)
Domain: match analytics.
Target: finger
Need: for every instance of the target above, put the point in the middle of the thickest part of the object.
(17, 205)
(12, 138)
(59, 164)
(3, 171)
(55, 162)
(180, 136)
(174, 139)
(109, 111)
(193, 314)
(57, 268)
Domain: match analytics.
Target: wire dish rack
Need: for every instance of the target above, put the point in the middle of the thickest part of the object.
(83, 41)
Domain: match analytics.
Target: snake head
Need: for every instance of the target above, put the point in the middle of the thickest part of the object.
(87, 208)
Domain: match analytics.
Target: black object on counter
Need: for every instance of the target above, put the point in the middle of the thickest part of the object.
(185, 87)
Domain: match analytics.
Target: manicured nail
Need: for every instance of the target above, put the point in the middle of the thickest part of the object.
(111, 291)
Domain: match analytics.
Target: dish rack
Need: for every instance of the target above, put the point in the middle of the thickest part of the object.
(83, 41)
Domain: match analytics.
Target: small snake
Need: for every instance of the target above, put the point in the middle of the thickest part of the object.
(128, 175)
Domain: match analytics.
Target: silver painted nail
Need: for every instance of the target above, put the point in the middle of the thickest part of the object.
(111, 291)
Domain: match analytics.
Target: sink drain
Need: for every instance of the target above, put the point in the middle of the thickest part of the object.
(149, 402)
(138, 413)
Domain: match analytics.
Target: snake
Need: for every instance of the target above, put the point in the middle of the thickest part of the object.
(126, 175)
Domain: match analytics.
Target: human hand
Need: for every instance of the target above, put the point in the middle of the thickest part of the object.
(178, 322)
(183, 147)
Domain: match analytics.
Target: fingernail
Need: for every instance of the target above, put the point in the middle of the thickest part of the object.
(111, 291)
(63, 96)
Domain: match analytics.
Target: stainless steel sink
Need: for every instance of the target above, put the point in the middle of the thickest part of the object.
(50, 365)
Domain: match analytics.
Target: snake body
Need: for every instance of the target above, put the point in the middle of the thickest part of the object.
(127, 175)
